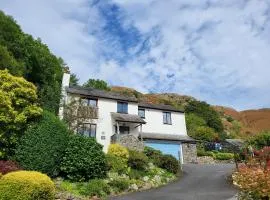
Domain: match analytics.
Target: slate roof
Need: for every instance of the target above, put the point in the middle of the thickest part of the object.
(127, 118)
(171, 137)
(160, 107)
(99, 93)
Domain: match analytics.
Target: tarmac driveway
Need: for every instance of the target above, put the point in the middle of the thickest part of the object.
(199, 182)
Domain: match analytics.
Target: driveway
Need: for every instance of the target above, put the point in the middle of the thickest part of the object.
(199, 182)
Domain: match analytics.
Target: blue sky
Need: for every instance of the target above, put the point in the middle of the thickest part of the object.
(214, 50)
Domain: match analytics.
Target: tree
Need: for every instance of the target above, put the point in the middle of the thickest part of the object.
(205, 111)
(193, 121)
(204, 133)
(76, 113)
(18, 107)
(74, 81)
(97, 84)
(23, 55)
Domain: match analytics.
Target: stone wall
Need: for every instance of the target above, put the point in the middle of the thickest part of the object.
(131, 142)
(189, 153)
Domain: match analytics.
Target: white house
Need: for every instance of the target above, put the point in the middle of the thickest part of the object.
(123, 119)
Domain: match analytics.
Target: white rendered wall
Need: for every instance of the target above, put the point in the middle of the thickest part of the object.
(154, 119)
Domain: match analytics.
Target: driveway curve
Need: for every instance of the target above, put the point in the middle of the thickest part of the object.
(199, 182)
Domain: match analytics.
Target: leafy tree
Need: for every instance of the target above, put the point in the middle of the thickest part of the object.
(97, 84)
(193, 121)
(18, 106)
(23, 55)
(205, 111)
(204, 133)
(74, 81)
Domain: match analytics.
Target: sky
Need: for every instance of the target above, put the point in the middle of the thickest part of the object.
(214, 50)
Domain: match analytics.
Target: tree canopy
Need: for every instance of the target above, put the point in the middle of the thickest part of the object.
(25, 56)
(97, 84)
(207, 113)
(18, 106)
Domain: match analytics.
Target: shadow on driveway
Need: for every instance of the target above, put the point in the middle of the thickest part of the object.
(199, 182)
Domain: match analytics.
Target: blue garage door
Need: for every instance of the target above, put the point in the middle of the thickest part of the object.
(166, 148)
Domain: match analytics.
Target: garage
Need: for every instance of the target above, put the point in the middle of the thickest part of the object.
(171, 148)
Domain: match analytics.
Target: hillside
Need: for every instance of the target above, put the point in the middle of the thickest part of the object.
(252, 121)
(237, 124)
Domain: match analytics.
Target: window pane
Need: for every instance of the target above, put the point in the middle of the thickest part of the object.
(164, 118)
(141, 113)
(93, 102)
(122, 107)
(169, 119)
(93, 130)
(86, 130)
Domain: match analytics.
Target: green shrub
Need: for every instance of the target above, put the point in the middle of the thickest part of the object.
(83, 159)
(95, 187)
(26, 185)
(42, 147)
(118, 150)
(153, 155)
(261, 140)
(201, 152)
(136, 174)
(116, 164)
(169, 163)
(119, 185)
(137, 160)
(224, 156)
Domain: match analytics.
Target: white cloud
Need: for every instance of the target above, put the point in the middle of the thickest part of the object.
(215, 50)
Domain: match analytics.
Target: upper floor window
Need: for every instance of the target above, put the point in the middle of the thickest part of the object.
(167, 119)
(89, 102)
(141, 113)
(88, 130)
(122, 107)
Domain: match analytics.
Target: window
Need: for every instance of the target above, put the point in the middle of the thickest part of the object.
(122, 107)
(122, 129)
(167, 118)
(88, 130)
(89, 102)
(141, 113)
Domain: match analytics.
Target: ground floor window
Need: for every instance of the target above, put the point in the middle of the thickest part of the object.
(88, 130)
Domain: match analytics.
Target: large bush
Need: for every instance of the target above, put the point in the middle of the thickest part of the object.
(153, 155)
(8, 166)
(26, 185)
(169, 163)
(116, 164)
(83, 159)
(42, 147)
(118, 150)
(261, 140)
(18, 107)
(137, 160)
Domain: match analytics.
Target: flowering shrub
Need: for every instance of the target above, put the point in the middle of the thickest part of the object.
(8, 166)
(254, 181)
(118, 150)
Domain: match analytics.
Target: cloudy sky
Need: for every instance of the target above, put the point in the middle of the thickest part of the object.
(214, 50)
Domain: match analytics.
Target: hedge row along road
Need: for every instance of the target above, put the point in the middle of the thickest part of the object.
(199, 182)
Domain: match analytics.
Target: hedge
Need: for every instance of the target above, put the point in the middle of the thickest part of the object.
(83, 159)
(26, 185)
(42, 147)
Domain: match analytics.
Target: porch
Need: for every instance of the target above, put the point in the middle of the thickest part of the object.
(127, 130)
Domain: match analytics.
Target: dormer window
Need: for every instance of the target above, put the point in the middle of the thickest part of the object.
(122, 107)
